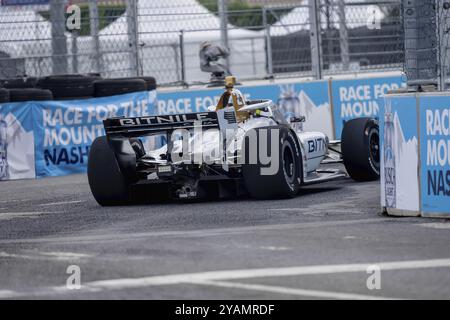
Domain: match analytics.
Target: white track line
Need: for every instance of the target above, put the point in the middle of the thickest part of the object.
(437, 225)
(195, 233)
(175, 279)
(15, 201)
(61, 203)
(36, 255)
(314, 210)
(291, 291)
(31, 214)
(266, 272)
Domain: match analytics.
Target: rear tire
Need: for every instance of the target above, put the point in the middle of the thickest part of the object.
(361, 149)
(285, 183)
(108, 185)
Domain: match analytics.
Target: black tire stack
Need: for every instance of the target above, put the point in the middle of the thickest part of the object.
(22, 89)
(70, 87)
(29, 94)
(4, 95)
(112, 87)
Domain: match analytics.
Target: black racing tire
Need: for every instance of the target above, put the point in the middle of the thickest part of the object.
(19, 83)
(113, 87)
(4, 95)
(108, 185)
(285, 183)
(69, 86)
(361, 149)
(27, 94)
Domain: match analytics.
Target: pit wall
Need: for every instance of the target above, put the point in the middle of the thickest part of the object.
(42, 139)
(415, 161)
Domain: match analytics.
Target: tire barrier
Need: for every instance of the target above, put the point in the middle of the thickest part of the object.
(73, 87)
(150, 82)
(19, 83)
(69, 87)
(58, 134)
(53, 138)
(29, 94)
(4, 95)
(113, 87)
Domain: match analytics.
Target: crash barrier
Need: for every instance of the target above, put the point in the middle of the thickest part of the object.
(52, 138)
(70, 87)
(415, 157)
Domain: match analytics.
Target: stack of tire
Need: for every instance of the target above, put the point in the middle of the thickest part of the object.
(22, 89)
(70, 87)
(112, 87)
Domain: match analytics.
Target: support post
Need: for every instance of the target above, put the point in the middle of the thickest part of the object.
(95, 28)
(223, 16)
(343, 36)
(268, 44)
(182, 59)
(132, 25)
(59, 42)
(314, 32)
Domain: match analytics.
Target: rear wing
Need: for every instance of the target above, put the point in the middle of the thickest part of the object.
(140, 126)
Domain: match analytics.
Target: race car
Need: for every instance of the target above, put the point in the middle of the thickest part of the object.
(235, 148)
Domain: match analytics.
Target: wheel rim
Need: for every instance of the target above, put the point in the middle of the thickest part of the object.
(289, 167)
(374, 148)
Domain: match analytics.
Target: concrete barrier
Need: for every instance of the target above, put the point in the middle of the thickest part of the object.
(415, 161)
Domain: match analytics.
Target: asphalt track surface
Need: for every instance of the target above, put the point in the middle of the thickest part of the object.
(318, 245)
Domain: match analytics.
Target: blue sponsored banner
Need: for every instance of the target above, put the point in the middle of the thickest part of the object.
(65, 130)
(16, 142)
(310, 99)
(435, 154)
(399, 153)
(53, 138)
(357, 98)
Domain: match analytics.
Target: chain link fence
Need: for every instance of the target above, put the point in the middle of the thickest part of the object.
(267, 38)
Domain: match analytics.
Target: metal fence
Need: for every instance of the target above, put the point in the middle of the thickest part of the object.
(427, 43)
(161, 38)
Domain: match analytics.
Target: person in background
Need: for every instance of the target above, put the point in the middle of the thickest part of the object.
(209, 55)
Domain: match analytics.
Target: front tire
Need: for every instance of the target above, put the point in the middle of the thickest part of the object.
(361, 149)
(285, 181)
(108, 185)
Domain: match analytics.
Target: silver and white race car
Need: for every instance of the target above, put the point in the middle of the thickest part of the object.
(236, 148)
